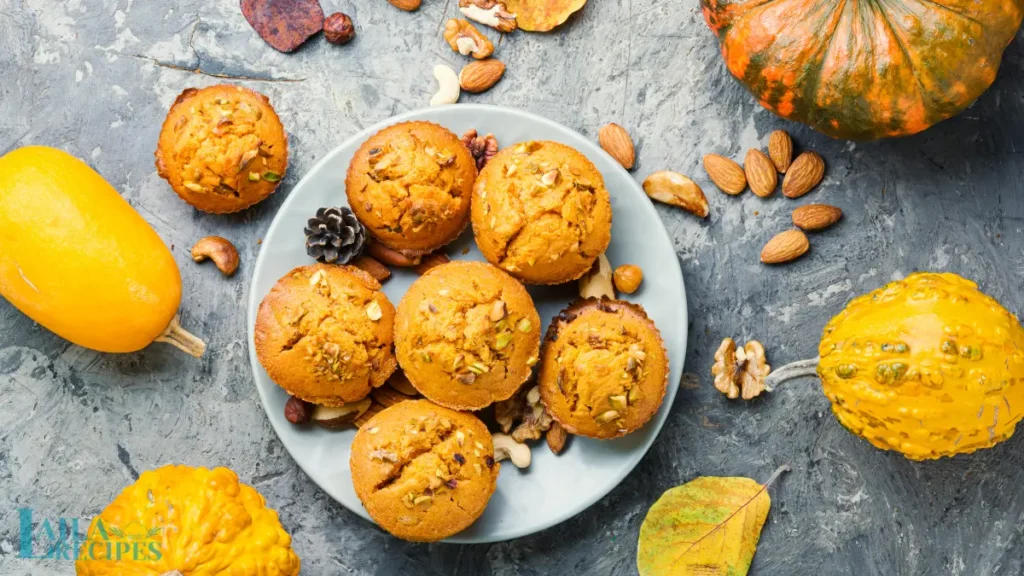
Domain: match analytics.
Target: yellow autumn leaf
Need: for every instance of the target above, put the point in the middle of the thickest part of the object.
(707, 527)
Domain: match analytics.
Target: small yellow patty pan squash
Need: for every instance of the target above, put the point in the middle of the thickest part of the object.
(929, 366)
(185, 521)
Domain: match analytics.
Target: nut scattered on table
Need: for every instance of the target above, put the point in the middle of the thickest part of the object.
(677, 190)
(481, 75)
(740, 371)
(785, 247)
(814, 217)
(297, 410)
(483, 148)
(448, 90)
(725, 173)
(535, 418)
(467, 40)
(505, 448)
(489, 13)
(597, 283)
(407, 5)
(805, 173)
(220, 250)
(617, 143)
(628, 278)
(339, 29)
(761, 173)
(780, 149)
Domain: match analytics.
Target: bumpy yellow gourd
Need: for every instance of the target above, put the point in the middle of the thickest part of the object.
(929, 366)
(187, 522)
(75, 256)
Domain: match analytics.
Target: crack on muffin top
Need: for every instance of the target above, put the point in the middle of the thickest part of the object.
(340, 342)
(411, 185)
(431, 458)
(218, 144)
(542, 207)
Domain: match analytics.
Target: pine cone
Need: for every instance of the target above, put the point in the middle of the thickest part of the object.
(335, 236)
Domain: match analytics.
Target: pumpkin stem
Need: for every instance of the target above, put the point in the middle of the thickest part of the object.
(181, 339)
(797, 369)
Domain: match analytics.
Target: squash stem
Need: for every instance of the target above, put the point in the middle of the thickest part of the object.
(797, 369)
(182, 339)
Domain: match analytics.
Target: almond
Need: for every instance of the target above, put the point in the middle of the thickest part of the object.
(806, 172)
(407, 5)
(678, 190)
(814, 217)
(617, 143)
(372, 267)
(725, 173)
(760, 173)
(785, 246)
(780, 148)
(391, 257)
(479, 76)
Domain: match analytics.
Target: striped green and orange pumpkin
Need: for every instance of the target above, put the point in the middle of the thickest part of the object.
(864, 69)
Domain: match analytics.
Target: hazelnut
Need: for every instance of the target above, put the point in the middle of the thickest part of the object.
(627, 278)
(338, 29)
(297, 410)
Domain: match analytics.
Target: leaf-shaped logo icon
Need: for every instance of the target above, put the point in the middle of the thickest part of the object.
(153, 532)
(115, 531)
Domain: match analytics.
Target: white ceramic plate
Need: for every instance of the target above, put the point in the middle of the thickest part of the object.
(554, 488)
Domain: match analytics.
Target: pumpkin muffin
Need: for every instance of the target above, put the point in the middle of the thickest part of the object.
(541, 212)
(605, 368)
(222, 148)
(411, 184)
(423, 472)
(324, 334)
(467, 335)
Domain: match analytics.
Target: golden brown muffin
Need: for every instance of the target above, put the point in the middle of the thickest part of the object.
(605, 368)
(411, 184)
(467, 335)
(222, 148)
(541, 212)
(423, 472)
(324, 333)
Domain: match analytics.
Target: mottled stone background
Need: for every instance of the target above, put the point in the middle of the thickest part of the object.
(95, 77)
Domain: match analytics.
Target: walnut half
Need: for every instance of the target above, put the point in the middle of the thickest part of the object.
(740, 371)
(465, 39)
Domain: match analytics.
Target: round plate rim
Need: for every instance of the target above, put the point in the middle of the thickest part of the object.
(657, 421)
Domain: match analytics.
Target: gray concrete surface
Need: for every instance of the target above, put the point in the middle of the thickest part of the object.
(96, 77)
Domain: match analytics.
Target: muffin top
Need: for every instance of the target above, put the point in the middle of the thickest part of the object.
(222, 148)
(541, 212)
(324, 334)
(605, 368)
(467, 335)
(422, 471)
(411, 184)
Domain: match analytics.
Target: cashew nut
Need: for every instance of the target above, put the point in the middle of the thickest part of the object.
(598, 282)
(449, 89)
(223, 253)
(505, 448)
